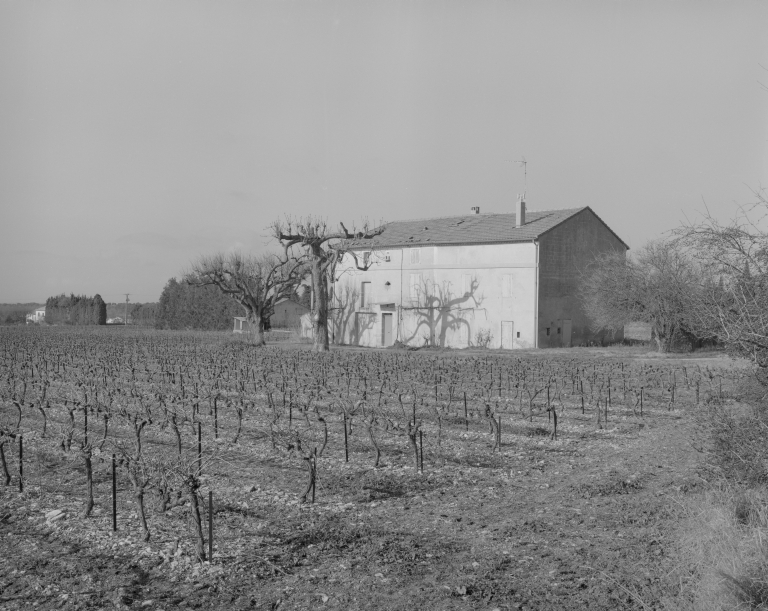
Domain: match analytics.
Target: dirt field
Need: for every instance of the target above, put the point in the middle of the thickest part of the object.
(585, 521)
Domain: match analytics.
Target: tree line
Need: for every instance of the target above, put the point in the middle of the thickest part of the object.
(76, 310)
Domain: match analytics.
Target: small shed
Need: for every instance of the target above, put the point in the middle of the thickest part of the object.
(241, 325)
(288, 314)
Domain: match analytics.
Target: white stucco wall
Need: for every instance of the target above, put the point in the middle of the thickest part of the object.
(462, 291)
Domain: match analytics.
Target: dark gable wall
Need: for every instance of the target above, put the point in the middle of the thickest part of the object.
(563, 253)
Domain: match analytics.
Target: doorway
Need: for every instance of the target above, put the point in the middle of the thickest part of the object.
(507, 334)
(386, 330)
(567, 333)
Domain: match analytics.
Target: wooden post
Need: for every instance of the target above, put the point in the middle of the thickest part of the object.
(199, 449)
(346, 447)
(21, 464)
(114, 494)
(210, 526)
(314, 474)
(421, 450)
(466, 419)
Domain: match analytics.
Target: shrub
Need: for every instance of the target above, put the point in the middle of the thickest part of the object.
(483, 338)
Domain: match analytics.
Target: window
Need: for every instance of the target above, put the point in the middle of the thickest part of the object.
(415, 256)
(506, 285)
(365, 294)
(547, 331)
(366, 258)
(415, 287)
(518, 335)
(558, 330)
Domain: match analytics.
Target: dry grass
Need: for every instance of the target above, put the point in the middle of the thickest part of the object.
(725, 543)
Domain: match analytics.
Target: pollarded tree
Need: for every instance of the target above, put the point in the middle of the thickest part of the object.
(257, 283)
(323, 249)
(655, 287)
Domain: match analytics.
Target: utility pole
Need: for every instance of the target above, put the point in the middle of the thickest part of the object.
(125, 322)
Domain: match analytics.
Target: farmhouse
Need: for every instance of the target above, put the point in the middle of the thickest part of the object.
(494, 280)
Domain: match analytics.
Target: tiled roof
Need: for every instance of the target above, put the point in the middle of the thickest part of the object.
(467, 229)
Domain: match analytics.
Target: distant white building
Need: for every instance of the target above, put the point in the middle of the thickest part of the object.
(115, 321)
(37, 316)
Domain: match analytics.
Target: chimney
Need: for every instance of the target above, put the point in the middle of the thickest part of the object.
(476, 209)
(520, 211)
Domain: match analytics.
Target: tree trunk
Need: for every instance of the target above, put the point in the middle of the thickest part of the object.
(660, 337)
(191, 485)
(138, 492)
(257, 323)
(320, 313)
(175, 427)
(45, 421)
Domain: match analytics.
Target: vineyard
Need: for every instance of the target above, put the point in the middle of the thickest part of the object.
(159, 469)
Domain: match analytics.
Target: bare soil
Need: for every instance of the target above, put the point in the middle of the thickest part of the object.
(586, 521)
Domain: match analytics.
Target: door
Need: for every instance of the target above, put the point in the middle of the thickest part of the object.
(507, 334)
(386, 329)
(566, 333)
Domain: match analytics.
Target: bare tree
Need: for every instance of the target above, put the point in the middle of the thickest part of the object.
(257, 283)
(654, 287)
(732, 303)
(323, 249)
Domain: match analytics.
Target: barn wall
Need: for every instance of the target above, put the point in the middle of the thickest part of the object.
(461, 291)
(564, 252)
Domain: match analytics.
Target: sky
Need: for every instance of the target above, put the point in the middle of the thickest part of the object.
(137, 136)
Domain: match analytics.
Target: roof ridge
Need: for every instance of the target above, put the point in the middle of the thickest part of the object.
(492, 227)
(473, 214)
